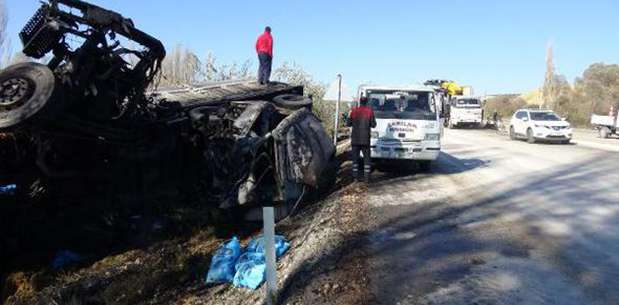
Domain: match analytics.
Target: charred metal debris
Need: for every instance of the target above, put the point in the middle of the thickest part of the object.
(89, 119)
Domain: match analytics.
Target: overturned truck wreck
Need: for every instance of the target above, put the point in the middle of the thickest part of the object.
(92, 120)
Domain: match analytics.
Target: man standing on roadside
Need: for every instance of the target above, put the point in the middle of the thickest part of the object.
(362, 120)
(264, 48)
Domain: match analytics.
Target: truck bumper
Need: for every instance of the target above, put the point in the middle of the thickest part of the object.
(427, 150)
(467, 121)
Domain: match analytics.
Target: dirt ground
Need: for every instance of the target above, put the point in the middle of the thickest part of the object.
(162, 258)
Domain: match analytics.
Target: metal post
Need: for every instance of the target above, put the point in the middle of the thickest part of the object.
(337, 108)
(268, 219)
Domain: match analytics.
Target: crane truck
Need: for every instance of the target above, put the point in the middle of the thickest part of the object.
(460, 107)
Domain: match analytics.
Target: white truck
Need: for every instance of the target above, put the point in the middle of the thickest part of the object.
(407, 123)
(464, 110)
(605, 124)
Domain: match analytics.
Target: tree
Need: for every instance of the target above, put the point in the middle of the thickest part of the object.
(504, 105)
(549, 90)
(183, 67)
(5, 49)
(599, 87)
(180, 67)
(215, 72)
(295, 75)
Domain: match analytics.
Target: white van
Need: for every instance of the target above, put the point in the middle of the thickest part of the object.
(407, 123)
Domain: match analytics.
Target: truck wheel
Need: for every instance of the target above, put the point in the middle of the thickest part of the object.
(25, 89)
(604, 132)
(512, 133)
(530, 138)
(292, 101)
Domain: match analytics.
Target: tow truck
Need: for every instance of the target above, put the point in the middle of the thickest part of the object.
(407, 123)
(459, 107)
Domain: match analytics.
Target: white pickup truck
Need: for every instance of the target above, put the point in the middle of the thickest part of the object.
(407, 123)
(605, 124)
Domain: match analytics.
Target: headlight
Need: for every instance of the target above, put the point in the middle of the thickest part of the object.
(374, 134)
(433, 136)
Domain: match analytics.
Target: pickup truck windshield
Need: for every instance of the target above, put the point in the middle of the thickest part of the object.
(544, 116)
(403, 105)
(469, 102)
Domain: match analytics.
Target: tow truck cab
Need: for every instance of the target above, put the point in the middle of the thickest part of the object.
(407, 123)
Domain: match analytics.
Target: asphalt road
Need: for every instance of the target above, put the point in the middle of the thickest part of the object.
(499, 222)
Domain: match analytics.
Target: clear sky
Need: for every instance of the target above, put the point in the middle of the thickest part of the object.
(495, 46)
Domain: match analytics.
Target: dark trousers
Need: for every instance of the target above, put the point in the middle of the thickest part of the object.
(264, 70)
(367, 168)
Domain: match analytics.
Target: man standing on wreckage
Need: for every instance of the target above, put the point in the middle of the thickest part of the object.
(264, 49)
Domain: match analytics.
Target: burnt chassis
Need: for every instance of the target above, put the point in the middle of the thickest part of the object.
(83, 123)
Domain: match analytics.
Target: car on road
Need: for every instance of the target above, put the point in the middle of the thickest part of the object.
(539, 125)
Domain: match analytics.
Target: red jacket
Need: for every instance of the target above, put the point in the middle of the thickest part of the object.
(264, 44)
(362, 120)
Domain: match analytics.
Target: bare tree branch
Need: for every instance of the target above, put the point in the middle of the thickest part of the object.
(5, 49)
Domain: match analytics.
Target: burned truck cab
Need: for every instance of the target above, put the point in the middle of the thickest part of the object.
(92, 120)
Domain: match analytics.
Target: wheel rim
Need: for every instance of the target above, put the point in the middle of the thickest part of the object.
(14, 92)
(25, 89)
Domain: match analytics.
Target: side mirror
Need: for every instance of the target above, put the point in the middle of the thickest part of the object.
(525, 119)
(564, 119)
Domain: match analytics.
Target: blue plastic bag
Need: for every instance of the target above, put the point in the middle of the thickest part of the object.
(257, 245)
(251, 266)
(250, 270)
(223, 262)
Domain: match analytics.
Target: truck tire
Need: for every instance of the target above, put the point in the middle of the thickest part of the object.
(530, 137)
(292, 101)
(25, 89)
(512, 133)
(604, 132)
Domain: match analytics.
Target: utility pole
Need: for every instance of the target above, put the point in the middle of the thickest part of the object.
(337, 108)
